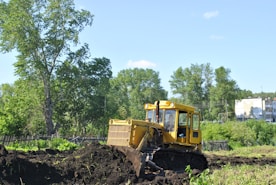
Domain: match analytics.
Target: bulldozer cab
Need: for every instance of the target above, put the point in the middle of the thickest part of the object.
(181, 123)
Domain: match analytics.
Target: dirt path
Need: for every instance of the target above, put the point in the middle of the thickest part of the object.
(94, 164)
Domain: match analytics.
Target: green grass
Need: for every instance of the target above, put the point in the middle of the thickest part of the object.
(236, 175)
(244, 175)
(253, 151)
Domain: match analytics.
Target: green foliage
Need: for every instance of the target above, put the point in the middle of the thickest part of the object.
(212, 92)
(21, 109)
(240, 134)
(223, 94)
(265, 132)
(245, 175)
(56, 144)
(248, 151)
(61, 144)
(82, 87)
(131, 89)
(41, 144)
(42, 33)
(200, 179)
(57, 85)
(193, 84)
(249, 133)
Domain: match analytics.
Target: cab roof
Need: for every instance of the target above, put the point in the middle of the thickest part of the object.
(165, 104)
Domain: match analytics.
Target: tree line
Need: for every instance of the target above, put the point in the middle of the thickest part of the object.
(62, 88)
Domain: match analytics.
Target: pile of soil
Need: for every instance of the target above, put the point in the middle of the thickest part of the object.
(93, 164)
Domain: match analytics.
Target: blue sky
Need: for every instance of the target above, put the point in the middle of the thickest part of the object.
(165, 35)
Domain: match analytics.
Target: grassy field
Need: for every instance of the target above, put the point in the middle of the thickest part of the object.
(243, 174)
(254, 151)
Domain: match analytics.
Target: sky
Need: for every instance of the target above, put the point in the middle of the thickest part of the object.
(164, 35)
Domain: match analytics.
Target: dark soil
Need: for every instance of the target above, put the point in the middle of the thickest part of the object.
(93, 164)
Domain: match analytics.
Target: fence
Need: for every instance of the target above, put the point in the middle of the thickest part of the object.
(215, 145)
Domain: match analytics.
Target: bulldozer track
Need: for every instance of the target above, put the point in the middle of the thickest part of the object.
(177, 160)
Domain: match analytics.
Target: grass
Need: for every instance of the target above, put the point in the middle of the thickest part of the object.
(242, 174)
(254, 151)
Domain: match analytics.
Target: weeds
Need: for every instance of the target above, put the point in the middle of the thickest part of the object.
(245, 175)
(56, 144)
(200, 179)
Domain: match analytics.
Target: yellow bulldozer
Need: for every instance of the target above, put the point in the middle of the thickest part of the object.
(168, 139)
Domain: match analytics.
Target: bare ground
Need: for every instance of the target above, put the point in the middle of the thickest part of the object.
(93, 164)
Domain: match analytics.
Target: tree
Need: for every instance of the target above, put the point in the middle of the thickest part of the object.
(245, 94)
(20, 110)
(223, 94)
(81, 88)
(193, 84)
(10, 121)
(132, 88)
(42, 32)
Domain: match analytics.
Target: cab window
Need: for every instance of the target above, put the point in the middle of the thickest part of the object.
(183, 117)
(169, 120)
(151, 116)
(195, 122)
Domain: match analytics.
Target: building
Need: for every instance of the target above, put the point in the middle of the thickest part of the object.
(251, 108)
(256, 108)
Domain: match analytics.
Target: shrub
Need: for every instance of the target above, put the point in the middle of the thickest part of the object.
(249, 133)
(62, 144)
(265, 132)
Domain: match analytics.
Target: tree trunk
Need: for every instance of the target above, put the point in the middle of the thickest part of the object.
(48, 108)
(48, 116)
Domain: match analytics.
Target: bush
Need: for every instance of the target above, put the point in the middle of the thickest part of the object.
(62, 144)
(265, 132)
(240, 135)
(249, 133)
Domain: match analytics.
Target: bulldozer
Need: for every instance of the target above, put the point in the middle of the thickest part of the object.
(168, 139)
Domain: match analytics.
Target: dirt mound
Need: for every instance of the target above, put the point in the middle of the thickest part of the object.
(93, 164)
(90, 165)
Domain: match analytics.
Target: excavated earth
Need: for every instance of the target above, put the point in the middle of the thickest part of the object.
(93, 164)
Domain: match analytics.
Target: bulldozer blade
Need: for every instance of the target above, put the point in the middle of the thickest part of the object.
(135, 157)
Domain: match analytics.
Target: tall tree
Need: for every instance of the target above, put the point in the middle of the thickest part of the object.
(82, 88)
(42, 32)
(193, 84)
(132, 88)
(223, 94)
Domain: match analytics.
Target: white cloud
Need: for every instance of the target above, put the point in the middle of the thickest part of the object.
(141, 64)
(216, 37)
(209, 15)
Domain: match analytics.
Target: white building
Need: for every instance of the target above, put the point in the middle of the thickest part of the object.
(249, 108)
(256, 108)
(274, 110)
